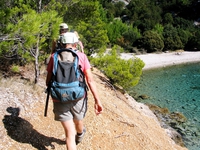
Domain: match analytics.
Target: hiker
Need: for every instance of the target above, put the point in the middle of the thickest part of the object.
(71, 114)
(56, 43)
(79, 44)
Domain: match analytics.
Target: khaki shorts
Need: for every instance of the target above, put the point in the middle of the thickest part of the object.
(69, 111)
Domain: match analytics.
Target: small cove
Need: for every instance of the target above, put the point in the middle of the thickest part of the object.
(178, 89)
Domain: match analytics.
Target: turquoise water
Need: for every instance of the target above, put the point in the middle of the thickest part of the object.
(178, 89)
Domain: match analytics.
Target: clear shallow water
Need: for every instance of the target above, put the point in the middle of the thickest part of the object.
(178, 89)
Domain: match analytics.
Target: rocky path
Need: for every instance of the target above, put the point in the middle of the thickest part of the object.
(125, 124)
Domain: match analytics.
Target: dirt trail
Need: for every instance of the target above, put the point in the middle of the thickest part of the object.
(124, 124)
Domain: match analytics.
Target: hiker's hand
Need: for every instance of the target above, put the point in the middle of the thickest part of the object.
(98, 108)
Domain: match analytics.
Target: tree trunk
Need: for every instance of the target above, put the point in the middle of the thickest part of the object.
(39, 6)
(37, 70)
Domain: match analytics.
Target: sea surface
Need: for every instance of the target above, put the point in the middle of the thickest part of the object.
(178, 89)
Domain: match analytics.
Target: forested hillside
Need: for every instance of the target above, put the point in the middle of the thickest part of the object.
(154, 25)
(28, 27)
(150, 25)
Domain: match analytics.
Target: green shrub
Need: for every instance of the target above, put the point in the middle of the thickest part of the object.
(152, 41)
(15, 69)
(129, 37)
(115, 30)
(172, 39)
(125, 73)
(184, 35)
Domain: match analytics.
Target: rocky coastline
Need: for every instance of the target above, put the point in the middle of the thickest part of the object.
(175, 123)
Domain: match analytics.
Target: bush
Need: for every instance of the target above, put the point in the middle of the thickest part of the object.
(115, 30)
(125, 73)
(15, 69)
(184, 35)
(152, 41)
(129, 37)
(194, 42)
(171, 38)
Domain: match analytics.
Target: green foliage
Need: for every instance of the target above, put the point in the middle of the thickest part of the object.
(193, 41)
(95, 36)
(144, 14)
(127, 37)
(110, 11)
(182, 23)
(81, 11)
(168, 19)
(159, 29)
(98, 21)
(5, 47)
(85, 16)
(184, 35)
(27, 30)
(15, 69)
(130, 36)
(171, 38)
(122, 34)
(126, 73)
(28, 27)
(113, 10)
(32, 30)
(115, 30)
(152, 41)
(119, 7)
(103, 14)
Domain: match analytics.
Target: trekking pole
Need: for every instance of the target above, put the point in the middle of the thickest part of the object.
(47, 100)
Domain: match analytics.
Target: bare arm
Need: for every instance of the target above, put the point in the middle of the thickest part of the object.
(98, 106)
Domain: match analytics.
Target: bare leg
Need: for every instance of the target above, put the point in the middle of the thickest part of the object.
(70, 133)
(80, 131)
(79, 125)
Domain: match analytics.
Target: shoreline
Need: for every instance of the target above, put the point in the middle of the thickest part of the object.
(153, 61)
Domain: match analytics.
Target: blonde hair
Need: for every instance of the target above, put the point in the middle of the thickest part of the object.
(77, 34)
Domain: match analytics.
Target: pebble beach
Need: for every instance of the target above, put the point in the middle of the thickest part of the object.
(165, 59)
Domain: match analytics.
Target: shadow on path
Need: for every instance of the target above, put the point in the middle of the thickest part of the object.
(22, 131)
